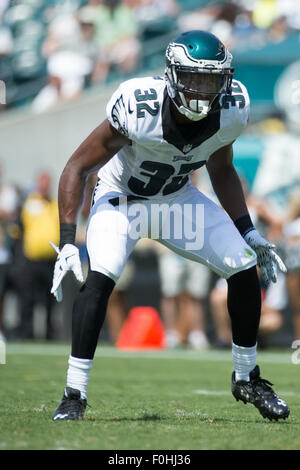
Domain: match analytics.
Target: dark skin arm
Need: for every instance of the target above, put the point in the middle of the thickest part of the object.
(226, 182)
(96, 150)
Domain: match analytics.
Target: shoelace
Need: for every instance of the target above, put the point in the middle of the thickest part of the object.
(265, 385)
(72, 405)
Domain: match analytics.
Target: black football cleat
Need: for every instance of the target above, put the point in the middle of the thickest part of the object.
(71, 408)
(258, 392)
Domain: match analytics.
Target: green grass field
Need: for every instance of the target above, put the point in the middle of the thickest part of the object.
(156, 400)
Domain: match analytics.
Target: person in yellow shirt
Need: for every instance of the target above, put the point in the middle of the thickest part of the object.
(40, 223)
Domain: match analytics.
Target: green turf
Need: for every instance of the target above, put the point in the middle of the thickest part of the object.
(165, 400)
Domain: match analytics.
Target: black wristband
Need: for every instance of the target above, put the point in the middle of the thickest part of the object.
(67, 234)
(244, 224)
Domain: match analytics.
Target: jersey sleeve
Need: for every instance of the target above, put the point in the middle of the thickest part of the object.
(134, 108)
(235, 109)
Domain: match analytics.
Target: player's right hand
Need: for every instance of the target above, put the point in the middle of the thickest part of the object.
(67, 260)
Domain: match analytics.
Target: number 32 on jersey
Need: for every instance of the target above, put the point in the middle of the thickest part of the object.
(158, 173)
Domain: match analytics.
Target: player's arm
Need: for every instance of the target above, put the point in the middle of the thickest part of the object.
(228, 189)
(226, 183)
(96, 150)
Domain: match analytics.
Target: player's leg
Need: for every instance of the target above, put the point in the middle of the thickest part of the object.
(225, 252)
(108, 246)
(220, 247)
(244, 307)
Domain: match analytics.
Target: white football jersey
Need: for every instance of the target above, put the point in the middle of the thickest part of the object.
(161, 155)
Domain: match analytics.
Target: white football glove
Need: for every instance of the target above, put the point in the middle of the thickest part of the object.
(268, 261)
(67, 260)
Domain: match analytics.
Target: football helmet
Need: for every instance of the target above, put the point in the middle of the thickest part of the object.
(198, 69)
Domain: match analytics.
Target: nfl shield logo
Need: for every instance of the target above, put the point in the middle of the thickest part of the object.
(187, 148)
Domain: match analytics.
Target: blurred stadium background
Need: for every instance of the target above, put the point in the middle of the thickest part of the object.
(56, 77)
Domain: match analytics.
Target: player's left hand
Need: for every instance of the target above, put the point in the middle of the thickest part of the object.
(67, 260)
(267, 259)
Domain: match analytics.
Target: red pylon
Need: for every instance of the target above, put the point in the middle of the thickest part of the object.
(142, 330)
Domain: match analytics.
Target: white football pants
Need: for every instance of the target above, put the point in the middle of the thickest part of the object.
(190, 224)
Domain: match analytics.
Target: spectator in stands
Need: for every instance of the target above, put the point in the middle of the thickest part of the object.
(71, 51)
(118, 34)
(274, 302)
(184, 286)
(88, 45)
(9, 206)
(200, 18)
(73, 32)
(40, 223)
(278, 30)
(291, 10)
(67, 72)
(3, 6)
(63, 33)
(224, 24)
(6, 48)
(6, 41)
(291, 233)
(220, 315)
(149, 10)
(264, 13)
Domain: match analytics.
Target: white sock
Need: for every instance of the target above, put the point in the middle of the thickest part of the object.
(78, 374)
(244, 361)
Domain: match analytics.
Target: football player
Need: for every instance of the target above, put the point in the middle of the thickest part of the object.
(158, 130)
